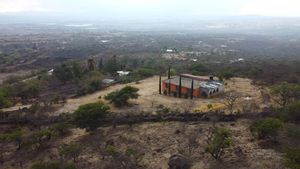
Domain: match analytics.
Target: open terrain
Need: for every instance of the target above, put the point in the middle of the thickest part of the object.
(149, 97)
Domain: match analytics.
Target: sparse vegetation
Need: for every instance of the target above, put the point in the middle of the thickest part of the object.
(42, 76)
(292, 158)
(267, 128)
(218, 141)
(52, 165)
(285, 93)
(71, 151)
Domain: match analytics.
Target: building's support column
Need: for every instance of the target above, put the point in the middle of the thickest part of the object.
(179, 92)
(192, 89)
(159, 84)
(169, 88)
(169, 72)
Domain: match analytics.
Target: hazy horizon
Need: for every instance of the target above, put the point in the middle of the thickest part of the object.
(149, 9)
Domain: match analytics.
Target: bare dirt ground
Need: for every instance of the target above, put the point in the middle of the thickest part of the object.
(149, 97)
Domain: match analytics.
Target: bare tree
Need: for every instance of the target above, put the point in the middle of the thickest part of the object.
(230, 100)
(187, 105)
(191, 142)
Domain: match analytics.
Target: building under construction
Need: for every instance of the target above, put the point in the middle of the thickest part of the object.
(192, 86)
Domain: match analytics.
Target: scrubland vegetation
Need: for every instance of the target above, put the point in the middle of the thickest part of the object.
(68, 118)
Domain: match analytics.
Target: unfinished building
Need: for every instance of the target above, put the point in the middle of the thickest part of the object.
(192, 86)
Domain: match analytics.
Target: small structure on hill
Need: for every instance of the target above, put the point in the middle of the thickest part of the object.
(123, 73)
(192, 86)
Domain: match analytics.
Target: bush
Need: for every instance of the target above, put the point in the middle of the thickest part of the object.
(60, 129)
(70, 151)
(90, 83)
(292, 112)
(292, 158)
(121, 97)
(40, 137)
(266, 128)
(221, 139)
(52, 165)
(293, 132)
(227, 74)
(199, 69)
(29, 89)
(4, 101)
(87, 116)
(285, 93)
(63, 73)
(144, 72)
(16, 136)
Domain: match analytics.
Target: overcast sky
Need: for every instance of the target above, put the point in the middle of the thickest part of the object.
(156, 8)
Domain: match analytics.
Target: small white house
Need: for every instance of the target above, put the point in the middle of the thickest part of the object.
(123, 73)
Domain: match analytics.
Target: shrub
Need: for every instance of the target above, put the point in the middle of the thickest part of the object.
(63, 73)
(121, 97)
(218, 141)
(60, 129)
(199, 69)
(87, 116)
(30, 89)
(4, 101)
(292, 112)
(285, 93)
(90, 83)
(293, 132)
(292, 158)
(15, 136)
(144, 72)
(227, 74)
(266, 128)
(40, 137)
(52, 165)
(70, 151)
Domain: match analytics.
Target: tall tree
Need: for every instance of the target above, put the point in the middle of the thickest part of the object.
(63, 73)
(159, 84)
(100, 64)
(180, 86)
(77, 70)
(192, 89)
(91, 64)
(112, 65)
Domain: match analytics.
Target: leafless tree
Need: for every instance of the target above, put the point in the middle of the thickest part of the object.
(230, 100)
(190, 143)
(187, 105)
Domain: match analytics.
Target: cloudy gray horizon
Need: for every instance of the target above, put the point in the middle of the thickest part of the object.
(153, 8)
